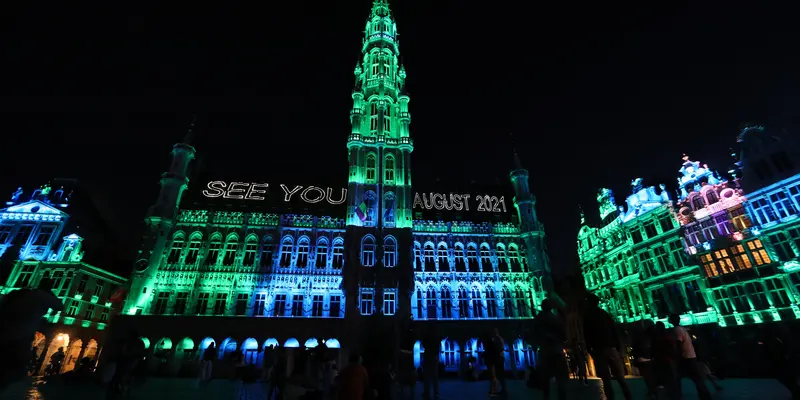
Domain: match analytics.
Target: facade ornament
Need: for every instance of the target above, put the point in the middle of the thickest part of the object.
(16, 195)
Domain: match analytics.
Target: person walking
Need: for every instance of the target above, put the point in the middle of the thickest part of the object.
(604, 344)
(643, 358)
(550, 336)
(498, 362)
(354, 380)
(688, 364)
(430, 364)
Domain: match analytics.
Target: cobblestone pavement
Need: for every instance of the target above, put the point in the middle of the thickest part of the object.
(156, 389)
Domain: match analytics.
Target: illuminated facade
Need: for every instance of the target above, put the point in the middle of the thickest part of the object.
(50, 257)
(716, 255)
(244, 280)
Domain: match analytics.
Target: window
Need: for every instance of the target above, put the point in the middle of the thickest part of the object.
(740, 257)
(650, 230)
(486, 258)
(472, 257)
(757, 296)
(231, 246)
(661, 258)
(430, 300)
(695, 296)
(388, 210)
(260, 305)
(477, 304)
(783, 204)
(286, 252)
(513, 258)
(389, 252)
(322, 254)
(213, 251)
(45, 233)
(502, 262)
(201, 308)
(709, 228)
(317, 302)
(419, 305)
(104, 315)
(739, 218)
(712, 197)
(739, 298)
(459, 258)
(666, 224)
(373, 109)
(388, 168)
(82, 284)
(250, 249)
(778, 292)
(297, 305)
(336, 306)
(368, 252)
(522, 303)
(25, 276)
(757, 250)
(447, 303)
(338, 255)
(72, 310)
(508, 304)
(636, 235)
(444, 261)
(180, 303)
(417, 256)
(450, 353)
(763, 211)
(794, 193)
(369, 207)
(280, 305)
(677, 254)
(89, 315)
(194, 250)
(176, 249)
(23, 234)
(491, 303)
(463, 303)
(723, 302)
(430, 258)
(267, 252)
(782, 245)
(221, 304)
(724, 261)
(302, 252)
(708, 265)
(241, 303)
(160, 306)
(646, 264)
(389, 302)
(371, 167)
(366, 302)
(698, 203)
(5, 233)
(98, 288)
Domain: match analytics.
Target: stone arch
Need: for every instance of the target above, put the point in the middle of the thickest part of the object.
(291, 343)
(204, 344)
(333, 343)
(184, 349)
(228, 347)
(251, 351)
(450, 354)
(311, 343)
(145, 342)
(72, 353)
(91, 349)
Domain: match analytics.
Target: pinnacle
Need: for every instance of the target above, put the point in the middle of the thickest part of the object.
(380, 8)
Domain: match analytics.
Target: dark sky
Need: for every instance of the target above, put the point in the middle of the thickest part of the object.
(596, 93)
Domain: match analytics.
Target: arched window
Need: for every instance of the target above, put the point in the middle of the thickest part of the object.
(459, 258)
(711, 197)
(250, 250)
(388, 210)
(287, 246)
(447, 303)
(444, 261)
(477, 303)
(431, 300)
(491, 303)
(486, 258)
(513, 257)
(371, 167)
(417, 256)
(389, 252)
(177, 248)
(463, 303)
(368, 251)
(502, 261)
(231, 246)
(267, 252)
(430, 257)
(338, 253)
(450, 354)
(370, 201)
(508, 304)
(322, 253)
(522, 303)
(195, 242)
(419, 304)
(472, 258)
(214, 248)
(302, 252)
(388, 169)
(698, 203)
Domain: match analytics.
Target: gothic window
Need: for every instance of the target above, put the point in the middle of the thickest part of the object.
(513, 258)
(459, 258)
(447, 303)
(502, 262)
(450, 353)
(388, 169)
(508, 304)
(286, 252)
(389, 252)
(250, 249)
(322, 253)
(387, 120)
(698, 203)
(444, 261)
(370, 199)
(477, 303)
(368, 251)
(267, 251)
(763, 211)
(373, 112)
(44, 235)
(431, 302)
(522, 303)
(711, 196)
(472, 258)
(430, 263)
(417, 256)
(231, 246)
(389, 302)
(214, 248)
(177, 248)
(195, 242)
(388, 210)
(371, 167)
(367, 301)
(783, 204)
(302, 252)
(419, 304)
(463, 303)
(338, 254)
(280, 305)
(491, 303)
(486, 258)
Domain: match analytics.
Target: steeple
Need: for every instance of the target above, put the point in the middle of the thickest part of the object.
(380, 8)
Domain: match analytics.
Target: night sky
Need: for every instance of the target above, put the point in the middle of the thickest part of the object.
(595, 93)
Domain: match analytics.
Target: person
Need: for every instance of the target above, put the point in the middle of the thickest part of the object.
(643, 359)
(21, 313)
(665, 358)
(129, 352)
(206, 365)
(430, 363)
(277, 378)
(498, 362)
(580, 359)
(550, 335)
(268, 362)
(353, 380)
(688, 364)
(406, 373)
(603, 342)
(55, 361)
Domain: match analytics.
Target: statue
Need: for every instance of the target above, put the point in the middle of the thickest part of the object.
(46, 189)
(637, 185)
(16, 195)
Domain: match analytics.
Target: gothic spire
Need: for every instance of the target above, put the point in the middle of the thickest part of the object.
(380, 8)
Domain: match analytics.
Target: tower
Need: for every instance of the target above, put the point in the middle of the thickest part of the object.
(379, 217)
(531, 230)
(159, 222)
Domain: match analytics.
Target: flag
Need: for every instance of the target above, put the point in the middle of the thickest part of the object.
(361, 211)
